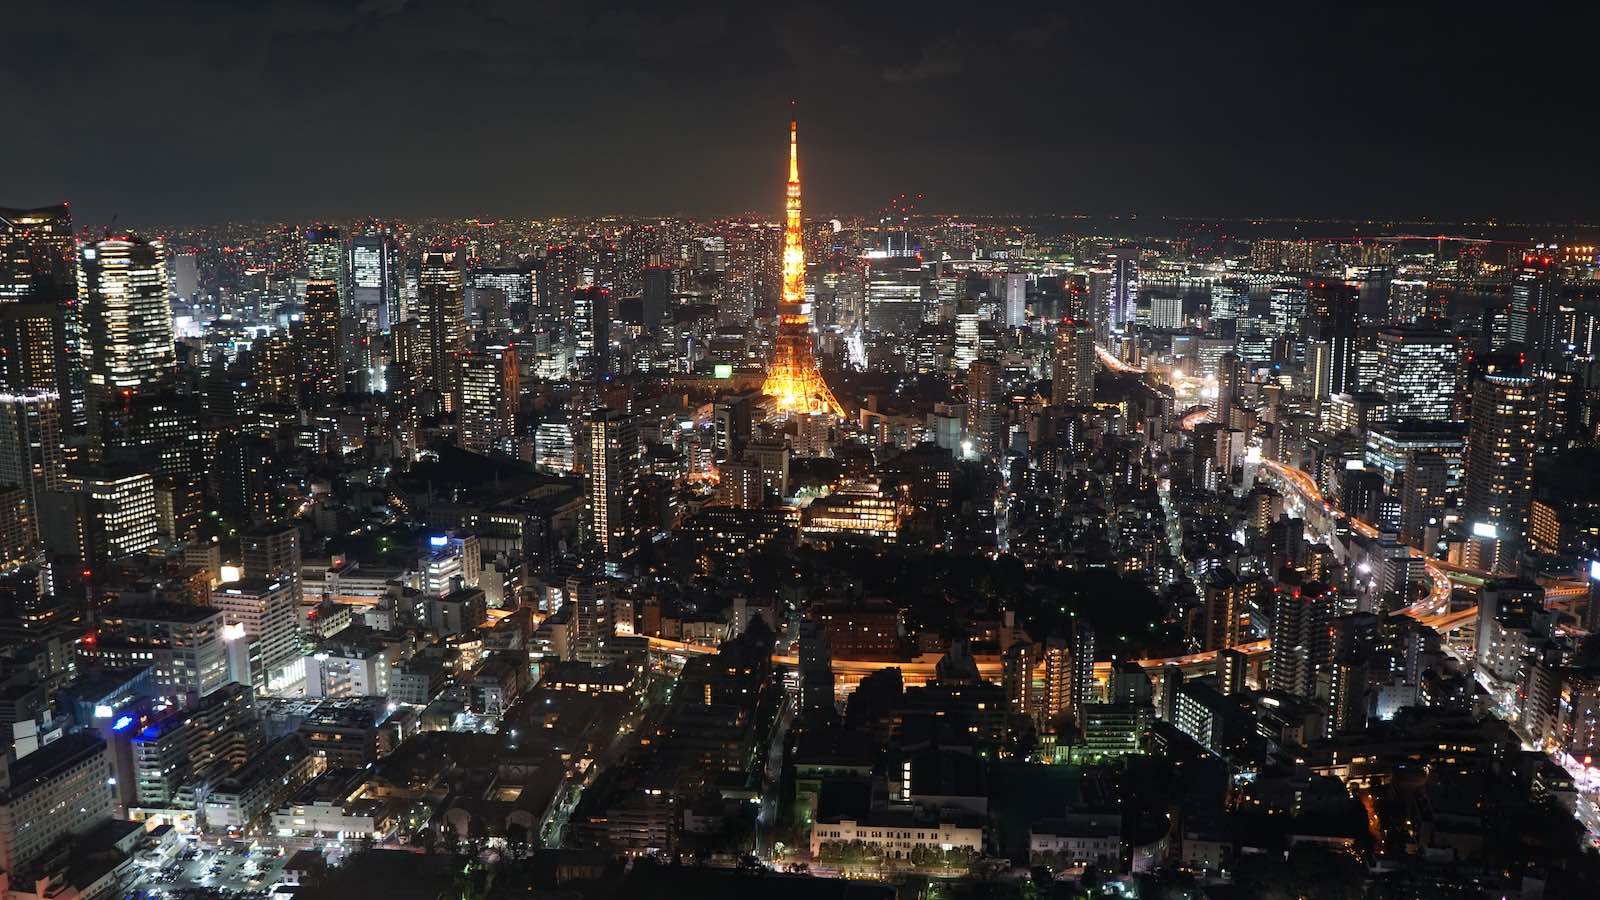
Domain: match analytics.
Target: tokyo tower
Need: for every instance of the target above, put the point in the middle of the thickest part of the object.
(792, 377)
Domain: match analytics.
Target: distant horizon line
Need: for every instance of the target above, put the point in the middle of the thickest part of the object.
(931, 217)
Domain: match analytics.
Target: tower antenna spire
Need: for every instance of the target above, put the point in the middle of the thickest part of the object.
(793, 379)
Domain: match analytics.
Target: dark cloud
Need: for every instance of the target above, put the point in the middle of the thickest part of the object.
(204, 109)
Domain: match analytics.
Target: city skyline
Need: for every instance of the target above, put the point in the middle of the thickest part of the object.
(911, 553)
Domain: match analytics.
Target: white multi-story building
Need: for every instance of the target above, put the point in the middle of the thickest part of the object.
(267, 610)
(895, 836)
(60, 789)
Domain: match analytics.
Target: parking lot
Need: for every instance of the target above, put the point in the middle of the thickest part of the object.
(231, 871)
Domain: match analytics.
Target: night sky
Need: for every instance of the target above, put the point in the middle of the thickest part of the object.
(185, 111)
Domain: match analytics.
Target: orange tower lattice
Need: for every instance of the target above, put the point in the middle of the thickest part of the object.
(793, 380)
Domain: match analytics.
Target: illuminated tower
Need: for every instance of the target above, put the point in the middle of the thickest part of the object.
(792, 378)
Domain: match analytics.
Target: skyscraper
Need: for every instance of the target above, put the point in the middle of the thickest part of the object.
(1072, 374)
(487, 410)
(1301, 617)
(984, 408)
(442, 320)
(374, 278)
(30, 442)
(38, 274)
(1423, 484)
(32, 342)
(591, 313)
(1501, 439)
(1334, 308)
(1016, 299)
(1228, 378)
(614, 486)
(793, 379)
(326, 261)
(1534, 321)
(1416, 375)
(1124, 287)
(656, 296)
(127, 344)
(322, 344)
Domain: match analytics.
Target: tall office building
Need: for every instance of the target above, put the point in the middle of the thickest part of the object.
(1287, 306)
(1123, 287)
(441, 319)
(127, 343)
(591, 313)
(38, 272)
(1416, 375)
(30, 446)
(326, 261)
(322, 340)
(1072, 375)
(1229, 375)
(1534, 320)
(487, 411)
(1501, 438)
(1166, 310)
(101, 515)
(1015, 301)
(613, 511)
(374, 279)
(32, 348)
(1334, 309)
(657, 295)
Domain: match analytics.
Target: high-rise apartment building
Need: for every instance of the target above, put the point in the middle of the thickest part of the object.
(1072, 374)
(1301, 647)
(985, 408)
(1501, 438)
(272, 551)
(613, 513)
